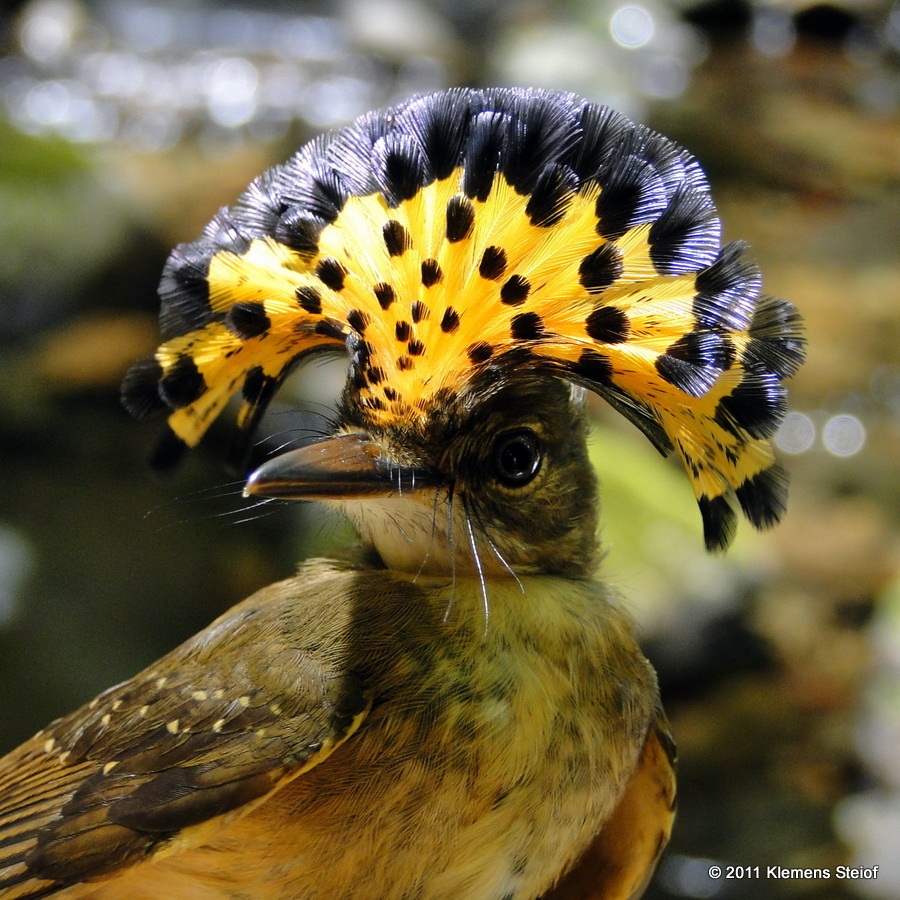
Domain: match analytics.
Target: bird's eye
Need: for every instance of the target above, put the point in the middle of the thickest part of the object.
(517, 457)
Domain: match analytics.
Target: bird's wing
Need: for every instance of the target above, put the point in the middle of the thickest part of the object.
(619, 863)
(215, 726)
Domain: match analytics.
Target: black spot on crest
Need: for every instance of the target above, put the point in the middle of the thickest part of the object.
(399, 167)
(396, 238)
(403, 330)
(723, 418)
(140, 388)
(515, 291)
(719, 522)
(404, 363)
(431, 272)
(258, 387)
(391, 394)
(182, 383)
(756, 405)
(551, 195)
(376, 375)
(247, 320)
(632, 193)
(460, 218)
(686, 376)
(685, 237)
(330, 328)
(694, 362)
(604, 133)
(357, 320)
(608, 324)
(763, 497)
(324, 193)
(384, 293)
(450, 320)
(299, 229)
(540, 130)
(701, 348)
(599, 269)
(776, 338)
(184, 290)
(593, 367)
(527, 327)
(484, 153)
(480, 352)
(309, 299)
(493, 263)
(415, 348)
(331, 273)
(727, 290)
(440, 125)
(728, 352)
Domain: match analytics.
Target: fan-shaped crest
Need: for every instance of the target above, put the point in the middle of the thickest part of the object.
(502, 229)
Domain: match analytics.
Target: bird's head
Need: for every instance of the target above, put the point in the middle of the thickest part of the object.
(477, 254)
(495, 479)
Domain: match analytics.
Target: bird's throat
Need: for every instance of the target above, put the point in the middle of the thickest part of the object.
(415, 536)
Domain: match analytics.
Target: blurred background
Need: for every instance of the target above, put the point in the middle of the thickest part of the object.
(125, 125)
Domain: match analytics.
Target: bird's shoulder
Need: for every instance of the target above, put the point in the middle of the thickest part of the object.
(252, 701)
(620, 861)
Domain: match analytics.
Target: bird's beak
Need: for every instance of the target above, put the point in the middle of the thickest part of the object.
(338, 468)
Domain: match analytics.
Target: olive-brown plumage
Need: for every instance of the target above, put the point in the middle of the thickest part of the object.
(438, 728)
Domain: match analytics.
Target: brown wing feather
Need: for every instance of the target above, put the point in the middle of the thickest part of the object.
(620, 862)
(214, 726)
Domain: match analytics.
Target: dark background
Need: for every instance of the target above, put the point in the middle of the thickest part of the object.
(123, 127)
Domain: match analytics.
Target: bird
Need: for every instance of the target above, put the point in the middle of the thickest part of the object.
(457, 706)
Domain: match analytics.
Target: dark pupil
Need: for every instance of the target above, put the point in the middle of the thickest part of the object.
(518, 459)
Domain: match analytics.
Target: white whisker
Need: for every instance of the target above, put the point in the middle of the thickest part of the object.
(293, 442)
(496, 551)
(214, 492)
(502, 559)
(263, 501)
(452, 543)
(427, 555)
(477, 560)
(246, 513)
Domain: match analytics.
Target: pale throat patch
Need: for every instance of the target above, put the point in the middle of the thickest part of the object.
(414, 534)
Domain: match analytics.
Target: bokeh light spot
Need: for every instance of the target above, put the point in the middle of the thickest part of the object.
(843, 435)
(796, 434)
(631, 26)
